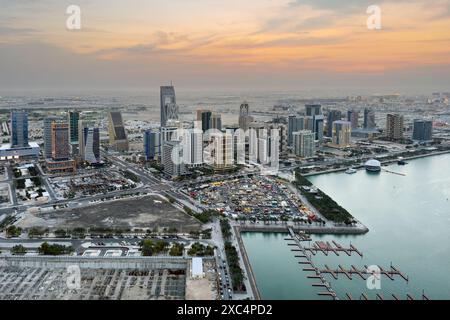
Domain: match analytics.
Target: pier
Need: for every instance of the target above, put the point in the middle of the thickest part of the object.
(348, 272)
(327, 247)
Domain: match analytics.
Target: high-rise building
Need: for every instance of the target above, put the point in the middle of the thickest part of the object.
(19, 129)
(333, 115)
(342, 131)
(60, 160)
(172, 159)
(304, 143)
(394, 126)
(353, 118)
(295, 123)
(152, 144)
(169, 134)
(423, 130)
(204, 116)
(244, 116)
(60, 141)
(193, 147)
(222, 155)
(313, 110)
(369, 119)
(74, 117)
(48, 135)
(89, 143)
(169, 107)
(216, 121)
(318, 127)
(118, 139)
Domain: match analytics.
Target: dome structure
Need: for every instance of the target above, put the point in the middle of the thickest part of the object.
(373, 165)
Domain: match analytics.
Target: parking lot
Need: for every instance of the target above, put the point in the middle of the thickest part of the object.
(257, 197)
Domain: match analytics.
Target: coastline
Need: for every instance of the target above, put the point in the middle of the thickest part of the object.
(316, 173)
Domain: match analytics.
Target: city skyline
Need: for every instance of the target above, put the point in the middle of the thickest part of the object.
(257, 45)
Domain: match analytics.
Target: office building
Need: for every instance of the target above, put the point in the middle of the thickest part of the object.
(222, 152)
(244, 116)
(422, 130)
(394, 126)
(318, 121)
(172, 159)
(369, 119)
(169, 107)
(48, 121)
(152, 144)
(204, 116)
(304, 143)
(333, 115)
(342, 131)
(313, 110)
(353, 118)
(193, 147)
(74, 118)
(295, 123)
(216, 121)
(118, 139)
(89, 144)
(30, 152)
(169, 134)
(60, 160)
(19, 129)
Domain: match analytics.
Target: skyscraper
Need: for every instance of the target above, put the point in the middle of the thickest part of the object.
(342, 131)
(318, 126)
(89, 144)
(313, 110)
(353, 118)
(60, 160)
(48, 135)
(74, 117)
(205, 117)
(244, 116)
(369, 119)
(172, 159)
(423, 130)
(333, 115)
(60, 141)
(169, 107)
(118, 139)
(152, 144)
(295, 123)
(304, 145)
(193, 147)
(216, 121)
(394, 126)
(19, 129)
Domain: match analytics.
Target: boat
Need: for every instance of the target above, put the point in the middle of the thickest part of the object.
(351, 171)
(401, 162)
(373, 165)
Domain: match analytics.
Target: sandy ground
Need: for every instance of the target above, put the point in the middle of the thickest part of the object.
(146, 212)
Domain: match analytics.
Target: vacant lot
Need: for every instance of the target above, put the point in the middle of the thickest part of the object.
(149, 212)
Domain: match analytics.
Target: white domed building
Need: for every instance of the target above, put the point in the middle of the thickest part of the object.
(373, 165)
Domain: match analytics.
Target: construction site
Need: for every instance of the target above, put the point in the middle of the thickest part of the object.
(113, 278)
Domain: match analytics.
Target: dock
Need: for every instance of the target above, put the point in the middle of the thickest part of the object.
(361, 272)
(336, 248)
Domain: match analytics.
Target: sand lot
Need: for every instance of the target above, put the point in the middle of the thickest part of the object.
(148, 212)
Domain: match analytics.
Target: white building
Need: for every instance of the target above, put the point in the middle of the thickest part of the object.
(193, 147)
(304, 143)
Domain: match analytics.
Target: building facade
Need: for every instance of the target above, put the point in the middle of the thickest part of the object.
(304, 143)
(353, 118)
(422, 130)
(295, 123)
(118, 139)
(169, 107)
(19, 129)
(333, 115)
(152, 144)
(369, 119)
(342, 131)
(394, 126)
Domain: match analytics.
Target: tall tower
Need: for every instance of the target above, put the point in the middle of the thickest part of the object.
(394, 126)
(118, 139)
(19, 129)
(169, 107)
(48, 121)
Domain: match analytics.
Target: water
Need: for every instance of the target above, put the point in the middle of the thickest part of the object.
(409, 221)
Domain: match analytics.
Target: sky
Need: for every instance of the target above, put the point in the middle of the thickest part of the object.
(231, 45)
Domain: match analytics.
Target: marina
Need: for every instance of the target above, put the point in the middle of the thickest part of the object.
(393, 214)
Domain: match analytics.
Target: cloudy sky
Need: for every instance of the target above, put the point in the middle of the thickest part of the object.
(232, 44)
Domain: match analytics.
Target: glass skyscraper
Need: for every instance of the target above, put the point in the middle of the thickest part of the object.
(19, 129)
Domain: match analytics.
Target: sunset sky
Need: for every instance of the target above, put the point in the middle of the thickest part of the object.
(211, 44)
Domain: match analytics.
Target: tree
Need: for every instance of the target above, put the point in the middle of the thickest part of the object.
(147, 247)
(13, 231)
(18, 250)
